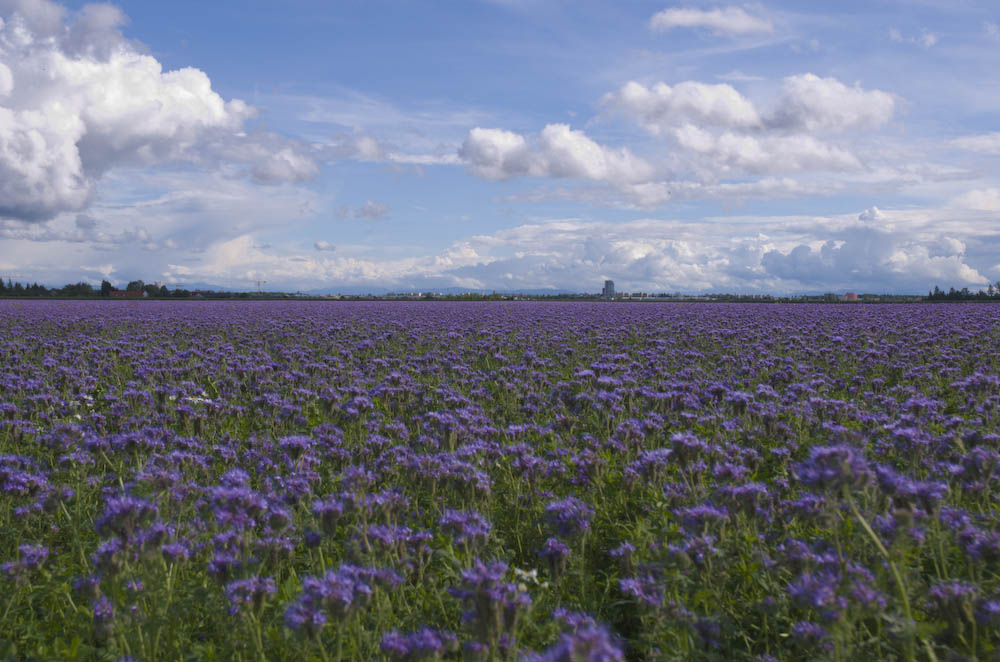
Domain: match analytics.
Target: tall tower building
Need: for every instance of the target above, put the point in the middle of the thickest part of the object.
(609, 289)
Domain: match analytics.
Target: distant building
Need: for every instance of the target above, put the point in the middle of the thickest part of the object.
(851, 296)
(609, 289)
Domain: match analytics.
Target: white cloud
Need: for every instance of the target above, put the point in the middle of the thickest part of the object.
(987, 143)
(992, 30)
(825, 104)
(732, 153)
(983, 199)
(908, 251)
(871, 214)
(870, 256)
(729, 21)
(662, 107)
(559, 151)
(721, 133)
(77, 99)
(288, 164)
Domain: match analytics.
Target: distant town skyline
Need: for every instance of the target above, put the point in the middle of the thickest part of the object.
(502, 145)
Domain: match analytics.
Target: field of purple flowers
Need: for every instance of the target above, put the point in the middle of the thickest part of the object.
(531, 482)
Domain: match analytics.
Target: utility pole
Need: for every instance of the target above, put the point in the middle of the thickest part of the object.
(259, 283)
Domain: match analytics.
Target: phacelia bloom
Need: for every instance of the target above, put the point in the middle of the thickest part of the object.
(646, 588)
(249, 592)
(175, 552)
(867, 597)
(492, 605)
(702, 516)
(31, 558)
(466, 527)
(555, 552)
(123, 515)
(329, 511)
(569, 517)
(687, 448)
(811, 635)
(104, 614)
(426, 643)
(573, 620)
(624, 553)
(988, 613)
(829, 468)
(305, 617)
(819, 592)
(950, 597)
(591, 643)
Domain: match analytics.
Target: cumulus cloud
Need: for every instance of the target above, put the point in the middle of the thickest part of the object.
(737, 254)
(323, 245)
(869, 255)
(825, 104)
(807, 102)
(558, 151)
(871, 214)
(288, 164)
(734, 153)
(661, 107)
(77, 99)
(728, 21)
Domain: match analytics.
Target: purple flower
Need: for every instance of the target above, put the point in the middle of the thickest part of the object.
(249, 592)
(950, 597)
(492, 605)
(590, 643)
(569, 517)
(624, 553)
(819, 592)
(555, 552)
(467, 527)
(829, 468)
(123, 515)
(305, 617)
(988, 613)
(104, 614)
(426, 643)
(646, 587)
(811, 636)
(702, 516)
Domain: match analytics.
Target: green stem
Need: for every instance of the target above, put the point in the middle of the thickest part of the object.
(893, 568)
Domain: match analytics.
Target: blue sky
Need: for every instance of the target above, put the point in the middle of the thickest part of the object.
(504, 144)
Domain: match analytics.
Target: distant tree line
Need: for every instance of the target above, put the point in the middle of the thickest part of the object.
(9, 288)
(992, 291)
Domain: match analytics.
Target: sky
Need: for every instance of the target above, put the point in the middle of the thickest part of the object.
(415, 145)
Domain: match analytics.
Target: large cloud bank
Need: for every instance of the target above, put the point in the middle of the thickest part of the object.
(708, 140)
(77, 99)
